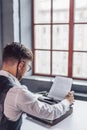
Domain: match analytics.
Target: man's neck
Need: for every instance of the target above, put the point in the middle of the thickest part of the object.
(9, 69)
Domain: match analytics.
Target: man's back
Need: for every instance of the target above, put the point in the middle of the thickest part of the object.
(5, 124)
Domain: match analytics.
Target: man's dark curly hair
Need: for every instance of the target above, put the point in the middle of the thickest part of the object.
(16, 51)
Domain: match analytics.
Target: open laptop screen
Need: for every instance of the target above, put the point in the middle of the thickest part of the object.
(60, 87)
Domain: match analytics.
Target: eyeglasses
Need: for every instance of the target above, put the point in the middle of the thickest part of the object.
(28, 68)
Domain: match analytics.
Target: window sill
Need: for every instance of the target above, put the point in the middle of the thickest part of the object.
(43, 78)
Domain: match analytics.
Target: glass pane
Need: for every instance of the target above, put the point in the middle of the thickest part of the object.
(42, 62)
(80, 37)
(61, 11)
(60, 63)
(42, 37)
(80, 65)
(80, 10)
(60, 37)
(42, 10)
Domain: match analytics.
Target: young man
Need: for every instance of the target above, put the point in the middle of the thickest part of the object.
(16, 98)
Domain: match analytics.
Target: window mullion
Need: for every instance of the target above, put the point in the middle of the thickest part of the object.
(71, 31)
(51, 38)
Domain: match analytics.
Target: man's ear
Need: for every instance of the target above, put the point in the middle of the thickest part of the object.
(21, 65)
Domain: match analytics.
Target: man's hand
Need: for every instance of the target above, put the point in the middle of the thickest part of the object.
(70, 97)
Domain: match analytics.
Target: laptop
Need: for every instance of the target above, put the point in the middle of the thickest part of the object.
(59, 89)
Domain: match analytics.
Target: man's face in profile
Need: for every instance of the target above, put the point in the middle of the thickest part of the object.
(23, 67)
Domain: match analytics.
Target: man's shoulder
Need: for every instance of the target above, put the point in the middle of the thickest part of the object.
(19, 88)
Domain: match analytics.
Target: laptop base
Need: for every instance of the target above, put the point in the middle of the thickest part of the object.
(53, 122)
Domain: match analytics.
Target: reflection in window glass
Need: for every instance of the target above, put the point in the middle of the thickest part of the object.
(80, 10)
(80, 65)
(61, 11)
(42, 37)
(80, 37)
(42, 11)
(42, 62)
(60, 63)
(60, 37)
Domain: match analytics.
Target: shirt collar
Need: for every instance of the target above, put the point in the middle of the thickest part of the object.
(7, 74)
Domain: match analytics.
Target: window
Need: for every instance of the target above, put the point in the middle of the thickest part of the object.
(59, 38)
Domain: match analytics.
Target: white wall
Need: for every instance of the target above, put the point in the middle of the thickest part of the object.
(25, 15)
(11, 28)
(0, 36)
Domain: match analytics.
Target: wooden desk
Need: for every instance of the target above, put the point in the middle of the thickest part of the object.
(76, 121)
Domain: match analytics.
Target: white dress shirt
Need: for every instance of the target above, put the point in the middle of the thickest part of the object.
(19, 99)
